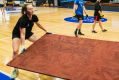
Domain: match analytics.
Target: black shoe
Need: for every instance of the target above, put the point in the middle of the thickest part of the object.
(75, 33)
(94, 31)
(80, 33)
(104, 30)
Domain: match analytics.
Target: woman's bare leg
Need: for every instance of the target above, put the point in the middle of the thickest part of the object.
(15, 45)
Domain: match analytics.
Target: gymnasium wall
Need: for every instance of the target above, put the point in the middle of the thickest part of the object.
(104, 1)
(106, 6)
(115, 1)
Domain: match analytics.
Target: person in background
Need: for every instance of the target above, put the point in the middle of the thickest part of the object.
(2, 7)
(79, 11)
(97, 16)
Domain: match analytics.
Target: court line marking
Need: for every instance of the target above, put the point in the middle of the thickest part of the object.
(7, 74)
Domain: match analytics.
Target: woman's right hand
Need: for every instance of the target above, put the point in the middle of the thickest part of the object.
(48, 33)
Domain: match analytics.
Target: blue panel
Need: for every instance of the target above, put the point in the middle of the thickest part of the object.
(90, 19)
(4, 77)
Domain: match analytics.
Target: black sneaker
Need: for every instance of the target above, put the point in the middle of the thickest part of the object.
(80, 33)
(75, 33)
(94, 31)
(104, 30)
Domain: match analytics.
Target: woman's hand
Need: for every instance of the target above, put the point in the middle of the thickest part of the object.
(48, 33)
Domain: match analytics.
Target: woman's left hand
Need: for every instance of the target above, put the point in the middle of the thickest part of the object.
(48, 33)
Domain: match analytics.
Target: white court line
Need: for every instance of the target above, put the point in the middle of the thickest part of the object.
(8, 75)
(5, 73)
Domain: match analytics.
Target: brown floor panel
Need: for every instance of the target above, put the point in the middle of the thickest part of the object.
(71, 58)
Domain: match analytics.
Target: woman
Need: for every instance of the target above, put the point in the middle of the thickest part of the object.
(22, 31)
(97, 16)
(78, 10)
(2, 7)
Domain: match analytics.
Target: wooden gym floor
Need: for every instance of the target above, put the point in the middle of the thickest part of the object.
(53, 20)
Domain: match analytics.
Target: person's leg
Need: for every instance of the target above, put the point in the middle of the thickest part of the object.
(53, 3)
(3, 13)
(100, 24)
(96, 20)
(33, 38)
(2, 10)
(78, 29)
(94, 24)
(80, 24)
(15, 45)
(49, 3)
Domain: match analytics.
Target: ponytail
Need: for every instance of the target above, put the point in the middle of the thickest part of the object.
(24, 9)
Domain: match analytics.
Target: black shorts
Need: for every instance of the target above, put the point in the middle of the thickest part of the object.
(79, 17)
(97, 17)
(17, 35)
(1, 5)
